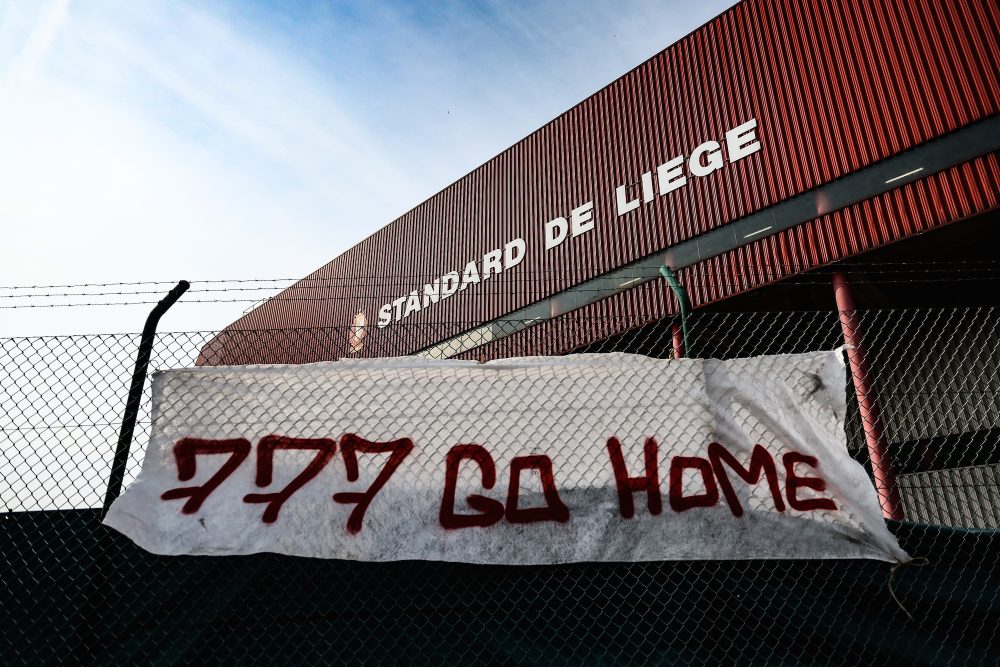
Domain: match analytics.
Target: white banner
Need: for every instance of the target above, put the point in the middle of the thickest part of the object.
(608, 457)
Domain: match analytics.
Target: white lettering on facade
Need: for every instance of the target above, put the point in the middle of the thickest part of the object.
(673, 174)
(705, 158)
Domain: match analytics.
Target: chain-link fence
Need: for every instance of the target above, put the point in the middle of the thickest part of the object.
(76, 591)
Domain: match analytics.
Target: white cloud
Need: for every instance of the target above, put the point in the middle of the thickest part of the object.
(182, 140)
(100, 184)
(31, 57)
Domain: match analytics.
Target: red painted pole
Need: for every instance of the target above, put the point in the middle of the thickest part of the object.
(678, 337)
(871, 416)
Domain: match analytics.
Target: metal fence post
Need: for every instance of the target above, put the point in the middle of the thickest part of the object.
(868, 404)
(94, 608)
(135, 393)
(682, 346)
(677, 337)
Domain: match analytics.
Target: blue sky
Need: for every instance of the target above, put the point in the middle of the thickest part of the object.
(209, 140)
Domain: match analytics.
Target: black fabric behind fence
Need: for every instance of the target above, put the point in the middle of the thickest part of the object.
(279, 609)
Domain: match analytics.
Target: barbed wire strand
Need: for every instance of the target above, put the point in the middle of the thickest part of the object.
(932, 265)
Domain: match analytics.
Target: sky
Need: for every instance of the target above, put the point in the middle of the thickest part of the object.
(155, 141)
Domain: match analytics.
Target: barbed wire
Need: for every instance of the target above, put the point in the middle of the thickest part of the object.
(535, 284)
(521, 277)
(933, 265)
(745, 282)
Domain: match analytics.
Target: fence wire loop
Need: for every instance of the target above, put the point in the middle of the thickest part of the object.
(919, 561)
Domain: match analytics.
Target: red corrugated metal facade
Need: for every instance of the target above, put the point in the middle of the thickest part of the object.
(950, 196)
(834, 86)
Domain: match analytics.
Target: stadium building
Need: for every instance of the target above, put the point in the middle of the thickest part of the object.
(777, 138)
(776, 145)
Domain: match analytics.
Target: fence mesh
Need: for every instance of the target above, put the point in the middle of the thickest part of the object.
(75, 591)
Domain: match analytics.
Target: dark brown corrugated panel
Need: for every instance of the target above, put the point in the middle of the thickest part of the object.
(834, 86)
(952, 195)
